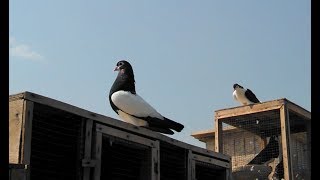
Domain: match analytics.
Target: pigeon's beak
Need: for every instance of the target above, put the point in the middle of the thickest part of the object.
(116, 68)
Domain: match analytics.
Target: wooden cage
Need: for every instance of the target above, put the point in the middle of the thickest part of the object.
(277, 143)
(51, 140)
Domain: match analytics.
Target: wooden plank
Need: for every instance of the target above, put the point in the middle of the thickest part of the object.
(124, 135)
(218, 136)
(87, 147)
(27, 132)
(249, 109)
(193, 148)
(155, 164)
(189, 166)
(15, 128)
(15, 97)
(117, 123)
(285, 140)
(309, 147)
(18, 174)
(210, 160)
(299, 110)
(97, 156)
(193, 171)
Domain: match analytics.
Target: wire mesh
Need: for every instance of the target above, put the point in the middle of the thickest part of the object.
(56, 136)
(124, 160)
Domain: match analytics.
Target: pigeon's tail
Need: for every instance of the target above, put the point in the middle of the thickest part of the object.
(164, 124)
(174, 125)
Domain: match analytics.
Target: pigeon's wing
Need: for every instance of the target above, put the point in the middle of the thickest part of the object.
(251, 96)
(134, 105)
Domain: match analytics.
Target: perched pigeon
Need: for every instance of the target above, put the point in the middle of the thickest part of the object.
(244, 96)
(132, 108)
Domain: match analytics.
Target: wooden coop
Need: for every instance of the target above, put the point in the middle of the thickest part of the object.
(269, 140)
(52, 140)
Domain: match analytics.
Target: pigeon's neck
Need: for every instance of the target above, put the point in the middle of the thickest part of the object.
(126, 81)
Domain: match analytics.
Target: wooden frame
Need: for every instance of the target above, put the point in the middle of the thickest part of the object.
(97, 155)
(285, 141)
(21, 129)
(284, 107)
(111, 122)
(93, 128)
(194, 158)
(102, 130)
(87, 162)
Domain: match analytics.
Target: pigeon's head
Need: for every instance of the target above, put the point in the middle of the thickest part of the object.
(236, 86)
(123, 64)
(124, 68)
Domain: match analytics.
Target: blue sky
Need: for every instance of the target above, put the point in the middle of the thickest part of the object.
(186, 54)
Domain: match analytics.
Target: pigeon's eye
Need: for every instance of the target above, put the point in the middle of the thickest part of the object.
(120, 64)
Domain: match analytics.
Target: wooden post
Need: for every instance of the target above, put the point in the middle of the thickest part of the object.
(98, 152)
(308, 124)
(189, 165)
(285, 139)
(155, 161)
(15, 130)
(26, 134)
(87, 148)
(218, 135)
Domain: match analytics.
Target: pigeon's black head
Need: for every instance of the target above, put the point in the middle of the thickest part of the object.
(237, 85)
(125, 79)
(123, 64)
(124, 67)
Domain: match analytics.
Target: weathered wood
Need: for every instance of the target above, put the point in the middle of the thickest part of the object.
(193, 171)
(155, 164)
(192, 147)
(309, 147)
(18, 172)
(218, 136)
(26, 132)
(299, 110)
(124, 135)
(108, 126)
(87, 163)
(210, 160)
(87, 149)
(15, 128)
(249, 109)
(16, 97)
(97, 156)
(190, 167)
(285, 135)
(116, 123)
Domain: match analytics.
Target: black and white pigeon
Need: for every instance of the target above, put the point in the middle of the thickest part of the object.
(244, 96)
(131, 108)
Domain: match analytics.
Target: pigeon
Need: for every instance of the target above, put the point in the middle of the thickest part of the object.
(268, 153)
(244, 96)
(132, 108)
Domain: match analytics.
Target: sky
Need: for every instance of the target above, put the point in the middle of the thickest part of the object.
(186, 55)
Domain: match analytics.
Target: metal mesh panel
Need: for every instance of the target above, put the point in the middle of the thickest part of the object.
(173, 162)
(56, 136)
(300, 150)
(252, 140)
(206, 171)
(124, 160)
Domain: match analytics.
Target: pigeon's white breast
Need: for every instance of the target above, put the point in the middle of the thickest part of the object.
(241, 97)
(133, 104)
